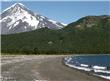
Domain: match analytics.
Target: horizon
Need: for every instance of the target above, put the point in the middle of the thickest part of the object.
(50, 9)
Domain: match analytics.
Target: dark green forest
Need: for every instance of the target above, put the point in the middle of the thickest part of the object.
(88, 35)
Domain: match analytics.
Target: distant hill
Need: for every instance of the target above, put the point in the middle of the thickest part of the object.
(90, 34)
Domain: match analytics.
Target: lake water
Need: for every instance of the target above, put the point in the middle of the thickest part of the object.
(98, 65)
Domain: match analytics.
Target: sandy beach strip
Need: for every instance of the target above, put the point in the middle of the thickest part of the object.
(39, 68)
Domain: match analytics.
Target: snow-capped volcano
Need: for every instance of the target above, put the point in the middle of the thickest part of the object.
(18, 18)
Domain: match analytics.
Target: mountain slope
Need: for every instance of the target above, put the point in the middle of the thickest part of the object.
(90, 22)
(94, 39)
(18, 18)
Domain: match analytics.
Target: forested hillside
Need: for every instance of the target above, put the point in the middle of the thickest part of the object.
(89, 34)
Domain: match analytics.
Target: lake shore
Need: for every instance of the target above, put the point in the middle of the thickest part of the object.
(41, 67)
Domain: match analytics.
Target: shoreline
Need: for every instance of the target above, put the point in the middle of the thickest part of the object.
(82, 69)
(43, 67)
(64, 73)
(87, 73)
